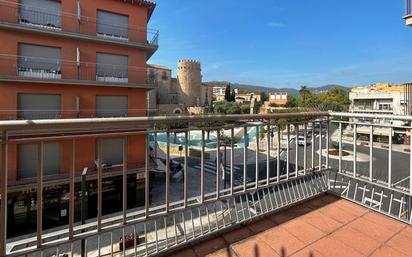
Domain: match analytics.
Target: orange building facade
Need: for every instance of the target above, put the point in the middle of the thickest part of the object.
(72, 59)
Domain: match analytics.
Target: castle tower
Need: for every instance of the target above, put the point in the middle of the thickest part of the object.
(190, 81)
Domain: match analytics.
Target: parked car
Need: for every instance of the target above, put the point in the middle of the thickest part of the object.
(301, 140)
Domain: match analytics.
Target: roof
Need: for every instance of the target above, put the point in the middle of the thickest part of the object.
(157, 66)
(147, 4)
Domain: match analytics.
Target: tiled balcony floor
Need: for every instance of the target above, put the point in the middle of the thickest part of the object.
(326, 226)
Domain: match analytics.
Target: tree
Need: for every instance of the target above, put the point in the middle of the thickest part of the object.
(263, 97)
(292, 102)
(335, 99)
(303, 92)
(228, 93)
(227, 108)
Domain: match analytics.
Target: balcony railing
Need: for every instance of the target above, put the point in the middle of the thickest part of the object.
(408, 8)
(26, 67)
(205, 174)
(34, 17)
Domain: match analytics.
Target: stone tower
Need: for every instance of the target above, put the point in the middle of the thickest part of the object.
(190, 81)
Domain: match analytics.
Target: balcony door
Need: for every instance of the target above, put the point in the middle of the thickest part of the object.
(112, 25)
(39, 106)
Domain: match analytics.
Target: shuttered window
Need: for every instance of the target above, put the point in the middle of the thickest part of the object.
(111, 106)
(38, 106)
(28, 154)
(41, 13)
(112, 151)
(39, 59)
(112, 25)
(111, 67)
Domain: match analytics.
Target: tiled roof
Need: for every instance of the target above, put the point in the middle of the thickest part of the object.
(149, 5)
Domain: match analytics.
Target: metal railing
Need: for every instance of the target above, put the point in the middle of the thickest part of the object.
(191, 194)
(202, 175)
(54, 69)
(408, 8)
(35, 17)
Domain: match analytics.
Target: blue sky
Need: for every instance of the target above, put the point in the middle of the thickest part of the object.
(284, 43)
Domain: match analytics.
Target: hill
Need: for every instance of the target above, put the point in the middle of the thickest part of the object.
(253, 88)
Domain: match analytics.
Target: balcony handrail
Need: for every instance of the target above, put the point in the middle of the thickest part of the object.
(151, 121)
(370, 116)
(150, 31)
(71, 62)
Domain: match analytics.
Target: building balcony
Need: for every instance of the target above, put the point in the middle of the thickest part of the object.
(408, 12)
(69, 25)
(254, 183)
(55, 71)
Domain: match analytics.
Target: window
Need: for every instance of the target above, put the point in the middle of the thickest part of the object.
(39, 61)
(112, 68)
(112, 25)
(40, 13)
(37, 106)
(111, 106)
(28, 154)
(112, 151)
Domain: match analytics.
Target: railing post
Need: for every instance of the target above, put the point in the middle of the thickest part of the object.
(39, 203)
(371, 155)
(232, 159)
(305, 148)
(355, 130)
(124, 179)
(99, 184)
(327, 142)
(202, 170)
(72, 187)
(186, 171)
(340, 147)
(3, 193)
(167, 171)
(410, 163)
(218, 163)
(268, 153)
(257, 157)
(147, 174)
(390, 158)
(287, 151)
(297, 150)
(246, 142)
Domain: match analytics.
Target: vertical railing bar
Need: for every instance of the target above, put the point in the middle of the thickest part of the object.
(232, 159)
(72, 189)
(175, 228)
(246, 142)
(320, 145)
(297, 150)
(193, 224)
(184, 226)
(202, 170)
(223, 214)
(372, 196)
(147, 174)
(340, 147)
(287, 151)
(390, 158)
(208, 218)
(371, 154)
(268, 154)
(270, 198)
(186, 167)
(305, 149)
(313, 146)
(355, 135)
(167, 171)
(410, 166)
(111, 244)
(327, 142)
(124, 178)
(98, 245)
(200, 221)
(99, 184)
(260, 201)
(3, 192)
(257, 157)
(135, 239)
(39, 203)
(166, 235)
(236, 210)
(274, 196)
(218, 163)
(278, 156)
(156, 236)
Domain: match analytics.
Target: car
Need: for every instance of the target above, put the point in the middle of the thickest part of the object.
(301, 140)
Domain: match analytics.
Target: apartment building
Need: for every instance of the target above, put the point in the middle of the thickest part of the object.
(380, 99)
(408, 12)
(72, 59)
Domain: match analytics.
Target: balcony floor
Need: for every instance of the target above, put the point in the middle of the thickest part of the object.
(326, 226)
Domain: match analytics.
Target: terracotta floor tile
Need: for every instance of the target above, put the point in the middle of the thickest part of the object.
(210, 246)
(338, 214)
(321, 221)
(237, 235)
(307, 252)
(253, 247)
(261, 225)
(351, 207)
(383, 220)
(227, 252)
(330, 247)
(356, 240)
(188, 252)
(401, 243)
(407, 231)
(386, 251)
(370, 229)
(304, 231)
(281, 241)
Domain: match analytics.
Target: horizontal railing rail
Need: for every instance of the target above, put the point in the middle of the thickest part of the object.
(35, 17)
(26, 67)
